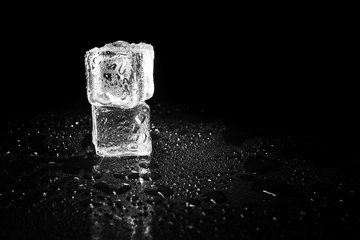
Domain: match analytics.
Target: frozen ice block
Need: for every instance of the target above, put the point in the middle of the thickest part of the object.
(120, 74)
(121, 132)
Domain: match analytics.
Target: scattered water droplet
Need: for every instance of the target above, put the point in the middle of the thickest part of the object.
(273, 188)
(215, 197)
(153, 176)
(104, 187)
(192, 202)
(123, 189)
(126, 175)
(160, 191)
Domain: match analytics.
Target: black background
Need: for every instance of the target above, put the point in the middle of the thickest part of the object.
(288, 68)
(284, 68)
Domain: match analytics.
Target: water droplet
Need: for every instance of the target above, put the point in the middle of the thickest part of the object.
(133, 176)
(216, 197)
(101, 186)
(192, 202)
(151, 165)
(160, 191)
(123, 189)
(63, 182)
(151, 176)
(273, 188)
(126, 175)
(122, 175)
(92, 177)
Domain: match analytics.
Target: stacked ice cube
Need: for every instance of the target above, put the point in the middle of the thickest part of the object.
(119, 80)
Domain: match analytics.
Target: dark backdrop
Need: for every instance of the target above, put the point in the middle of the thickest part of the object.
(290, 70)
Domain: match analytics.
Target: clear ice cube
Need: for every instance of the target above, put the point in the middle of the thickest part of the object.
(121, 131)
(120, 74)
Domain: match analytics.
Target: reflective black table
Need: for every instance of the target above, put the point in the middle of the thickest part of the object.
(206, 179)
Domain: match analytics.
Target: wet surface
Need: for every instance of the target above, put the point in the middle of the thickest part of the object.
(204, 180)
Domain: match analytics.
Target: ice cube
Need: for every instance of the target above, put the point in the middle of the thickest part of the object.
(120, 74)
(121, 131)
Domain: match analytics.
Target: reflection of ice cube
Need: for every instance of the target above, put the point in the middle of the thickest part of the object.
(120, 74)
(121, 132)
